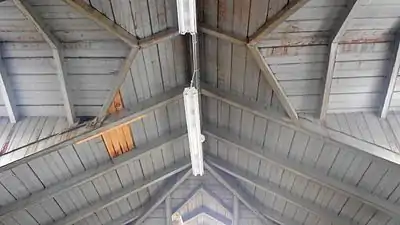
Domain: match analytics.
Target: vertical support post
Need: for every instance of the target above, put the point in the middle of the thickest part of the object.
(168, 210)
(235, 210)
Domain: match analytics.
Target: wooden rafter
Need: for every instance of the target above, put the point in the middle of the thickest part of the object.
(124, 193)
(206, 212)
(7, 92)
(83, 133)
(332, 59)
(372, 151)
(158, 37)
(89, 175)
(391, 82)
(205, 191)
(118, 81)
(58, 54)
(273, 82)
(126, 65)
(82, 7)
(265, 68)
(211, 31)
(302, 170)
(276, 20)
(267, 216)
(275, 189)
(167, 190)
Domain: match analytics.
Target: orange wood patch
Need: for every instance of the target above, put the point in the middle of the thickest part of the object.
(118, 140)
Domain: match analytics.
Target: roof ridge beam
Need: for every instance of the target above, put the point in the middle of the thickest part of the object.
(124, 193)
(87, 131)
(302, 170)
(391, 81)
(167, 190)
(332, 59)
(266, 215)
(276, 20)
(7, 92)
(58, 55)
(91, 13)
(273, 82)
(275, 189)
(91, 174)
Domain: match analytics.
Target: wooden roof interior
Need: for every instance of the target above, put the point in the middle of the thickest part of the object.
(299, 102)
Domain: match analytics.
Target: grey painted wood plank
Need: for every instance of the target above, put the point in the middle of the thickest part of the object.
(5, 196)
(387, 184)
(247, 124)
(161, 116)
(114, 211)
(99, 150)
(337, 202)
(65, 203)
(28, 178)
(89, 191)
(150, 126)
(72, 160)
(104, 216)
(287, 180)
(393, 143)
(36, 135)
(341, 164)
(52, 209)
(298, 147)
(86, 155)
(299, 186)
(235, 120)
(356, 170)
(363, 127)
(13, 185)
(350, 208)
(57, 165)
(45, 175)
(101, 186)
(77, 198)
(311, 191)
(351, 119)
(104, 22)
(377, 133)
(324, 196)
(312, 152)
(372, 176)
(285, 141)
(394, 125)
(46, 131)
(364, 214)
(17, 135)
(23, 217)
(39, 214)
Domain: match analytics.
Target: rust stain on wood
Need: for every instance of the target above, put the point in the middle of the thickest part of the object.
(118, 140)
